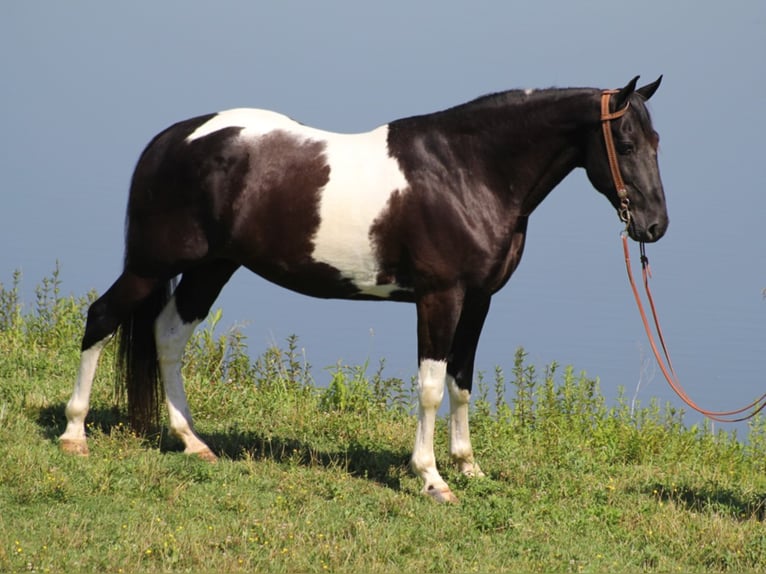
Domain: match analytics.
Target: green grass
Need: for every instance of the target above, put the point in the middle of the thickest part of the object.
(316, 479)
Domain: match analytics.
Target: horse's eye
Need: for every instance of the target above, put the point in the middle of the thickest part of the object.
(625, 148)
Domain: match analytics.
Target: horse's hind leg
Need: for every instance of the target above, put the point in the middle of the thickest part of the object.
(188, 306)
(104, 316)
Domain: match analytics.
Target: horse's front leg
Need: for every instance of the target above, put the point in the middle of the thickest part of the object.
(431, 375)
(437, 318)
(460, 447)
(460, 380)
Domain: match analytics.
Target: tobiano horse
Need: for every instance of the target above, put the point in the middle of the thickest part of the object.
(430, 209)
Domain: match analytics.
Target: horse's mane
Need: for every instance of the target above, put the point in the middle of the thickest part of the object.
(532, 100)
(512, 98)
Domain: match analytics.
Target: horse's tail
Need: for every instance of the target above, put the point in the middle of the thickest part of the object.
(137, 368)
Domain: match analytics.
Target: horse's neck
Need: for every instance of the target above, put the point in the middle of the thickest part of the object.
(549, 172)
(532, 157)
(521, 147)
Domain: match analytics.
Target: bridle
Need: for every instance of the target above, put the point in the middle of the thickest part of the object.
(611, 153)
(668, 371)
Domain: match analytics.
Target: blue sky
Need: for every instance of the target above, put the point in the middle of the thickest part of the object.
(87, 84)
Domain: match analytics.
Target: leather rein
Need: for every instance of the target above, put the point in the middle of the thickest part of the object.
(668, 371)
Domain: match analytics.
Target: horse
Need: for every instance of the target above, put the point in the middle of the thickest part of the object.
(430, 209)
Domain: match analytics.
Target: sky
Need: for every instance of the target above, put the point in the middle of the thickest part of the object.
(86, 85)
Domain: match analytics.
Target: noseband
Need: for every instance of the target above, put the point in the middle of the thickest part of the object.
(611, 153)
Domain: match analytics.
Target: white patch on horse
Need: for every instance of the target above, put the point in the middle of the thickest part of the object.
(460, 447)
(253, 121)
(362, 178)
(431, 377)
(74, 439)
(171, 335)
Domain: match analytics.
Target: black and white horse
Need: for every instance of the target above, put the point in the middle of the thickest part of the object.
(430, 210)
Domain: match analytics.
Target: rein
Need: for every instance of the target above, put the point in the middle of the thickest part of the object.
(668, 371)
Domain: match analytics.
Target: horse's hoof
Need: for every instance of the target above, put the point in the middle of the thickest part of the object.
(473, 471)
(207, 455)
(443, 496)
(74, 446)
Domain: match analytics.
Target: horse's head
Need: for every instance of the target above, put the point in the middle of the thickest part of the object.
(635, 145)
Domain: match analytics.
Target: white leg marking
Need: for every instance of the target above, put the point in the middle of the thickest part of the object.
(172, 334)
(431, 376)
(74, 440)
(459, 435)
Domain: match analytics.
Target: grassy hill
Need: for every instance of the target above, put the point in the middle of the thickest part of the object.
(316, 479)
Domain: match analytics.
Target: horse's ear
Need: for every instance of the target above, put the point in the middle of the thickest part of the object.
(648, 90)
(621, 97)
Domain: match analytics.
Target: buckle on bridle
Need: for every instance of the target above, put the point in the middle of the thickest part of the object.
(624, 211)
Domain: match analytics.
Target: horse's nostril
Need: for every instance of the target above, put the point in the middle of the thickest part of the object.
(654, 231)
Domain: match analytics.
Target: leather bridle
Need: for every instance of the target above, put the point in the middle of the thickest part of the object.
(611, 152)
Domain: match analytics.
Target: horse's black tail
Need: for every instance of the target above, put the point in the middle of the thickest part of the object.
(137, 368)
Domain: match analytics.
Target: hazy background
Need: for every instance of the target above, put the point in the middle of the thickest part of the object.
(85, 86)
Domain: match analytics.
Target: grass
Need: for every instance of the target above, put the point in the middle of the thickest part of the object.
(316, 479)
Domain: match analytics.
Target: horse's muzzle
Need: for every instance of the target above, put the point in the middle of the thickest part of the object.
(648, 233)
